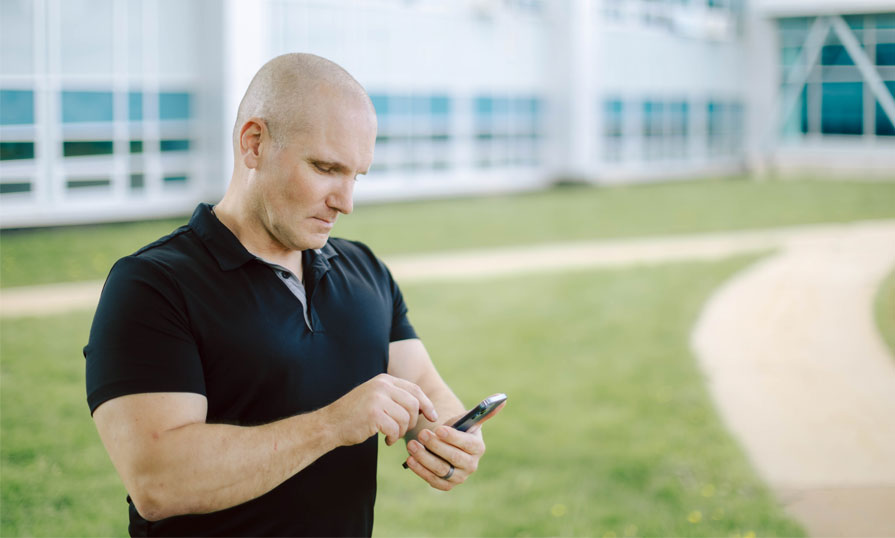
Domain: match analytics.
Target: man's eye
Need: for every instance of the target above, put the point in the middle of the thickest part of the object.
(323, 169)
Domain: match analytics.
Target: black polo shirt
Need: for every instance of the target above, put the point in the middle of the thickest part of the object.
(196, 312)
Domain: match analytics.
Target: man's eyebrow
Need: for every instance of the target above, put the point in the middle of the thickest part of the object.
(334, 165)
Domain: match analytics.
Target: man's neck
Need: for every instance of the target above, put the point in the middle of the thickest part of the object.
(258, 242)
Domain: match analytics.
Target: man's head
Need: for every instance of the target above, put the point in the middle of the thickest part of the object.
(304, 130)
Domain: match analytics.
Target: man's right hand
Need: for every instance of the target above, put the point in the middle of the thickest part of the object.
(385, 404)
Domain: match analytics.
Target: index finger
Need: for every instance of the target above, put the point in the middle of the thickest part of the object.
(427, 408)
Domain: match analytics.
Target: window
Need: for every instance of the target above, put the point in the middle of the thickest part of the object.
(884, 126)
(833, 101)
(414, 131)
(16, 107)
(653, 129)
(174, 106)
(842, 108)
(613, 130)
(12, 151)
(86, 106)
(507, 131)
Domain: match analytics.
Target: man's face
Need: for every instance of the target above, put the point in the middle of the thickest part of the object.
(304, 185)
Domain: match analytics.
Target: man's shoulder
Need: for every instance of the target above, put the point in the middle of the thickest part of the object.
(165, 245)
(167, 254)
(350, 249)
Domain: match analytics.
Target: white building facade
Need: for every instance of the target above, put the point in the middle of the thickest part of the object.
(123, 109)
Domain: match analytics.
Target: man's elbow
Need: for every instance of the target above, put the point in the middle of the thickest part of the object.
(155, 500)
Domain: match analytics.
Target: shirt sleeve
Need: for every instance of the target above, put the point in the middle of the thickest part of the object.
(140, 340)
(401, 326)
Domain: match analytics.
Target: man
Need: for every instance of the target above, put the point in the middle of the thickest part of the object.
(239, 369)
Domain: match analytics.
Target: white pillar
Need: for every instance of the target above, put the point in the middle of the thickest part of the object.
(574, 151)
(246, 48)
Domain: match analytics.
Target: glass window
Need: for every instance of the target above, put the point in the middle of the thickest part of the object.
(81, 148)
(136, 146)
(835, 55)
(842, 108)
(86, 106)
(441, 105)
(175, 145)
(135, 106)
(483, 106)
(83, 183)
(15, 187)
(13, 151)
(884, 126)
(380, 103)
(16, 107)
(885, 54)
(174, 106)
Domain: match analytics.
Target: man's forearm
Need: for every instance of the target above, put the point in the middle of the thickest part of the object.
(201, 468)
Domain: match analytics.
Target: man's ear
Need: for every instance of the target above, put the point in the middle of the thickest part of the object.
(253, 139)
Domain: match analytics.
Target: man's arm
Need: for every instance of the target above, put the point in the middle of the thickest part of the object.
(172, 462)
(434, 449)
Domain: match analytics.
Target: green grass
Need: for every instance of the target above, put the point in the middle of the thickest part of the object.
(56, 477)
(609, 428)
(885, 310)
(569, 213)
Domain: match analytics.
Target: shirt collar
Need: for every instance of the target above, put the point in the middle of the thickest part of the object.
(229, 252)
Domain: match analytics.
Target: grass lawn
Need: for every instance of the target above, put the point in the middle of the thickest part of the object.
(885, 310)
(569, 213)
(609, 430)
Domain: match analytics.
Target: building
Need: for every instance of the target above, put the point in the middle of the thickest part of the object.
(122, 109)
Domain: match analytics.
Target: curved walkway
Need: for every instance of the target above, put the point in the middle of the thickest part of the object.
(789, 348)
(801, 376)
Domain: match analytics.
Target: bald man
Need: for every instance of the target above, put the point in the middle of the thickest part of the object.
(239, 369)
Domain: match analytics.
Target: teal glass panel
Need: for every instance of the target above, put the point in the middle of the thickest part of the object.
(842, 108)
(885, 21)
(653, 118)
(136, 146)
(16, 107)
(884, 126)
(137, 181)
(86, 106)
(440, 105)
(380, 103)
(835, 55)
(80, 148)
(885, 54)
(175, 180)
(400, 105)
(175, 145)
(419, 105)
(174, 106)
(14, 151)
(484, 106)
(501, 106)
(17, 187)
(74, 184)
(135, 106)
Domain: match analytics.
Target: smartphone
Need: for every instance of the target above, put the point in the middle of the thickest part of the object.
(477, 413)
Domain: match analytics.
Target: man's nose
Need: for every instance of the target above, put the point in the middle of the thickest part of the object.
(342, 197)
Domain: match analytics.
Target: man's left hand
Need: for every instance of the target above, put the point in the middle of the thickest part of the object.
(445, 457)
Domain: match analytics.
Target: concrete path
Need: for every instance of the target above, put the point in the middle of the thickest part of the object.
(802, 378)
(475, 264)
(789, 348)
